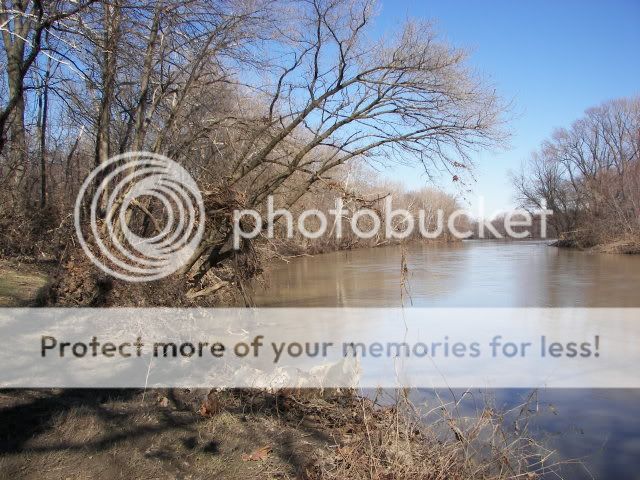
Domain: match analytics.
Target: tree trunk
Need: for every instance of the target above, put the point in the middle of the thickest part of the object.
(109, 65)
(43, 107)
(17, 139)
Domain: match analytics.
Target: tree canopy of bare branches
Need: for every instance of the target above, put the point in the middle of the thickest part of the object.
(589, 174)
(253, 97)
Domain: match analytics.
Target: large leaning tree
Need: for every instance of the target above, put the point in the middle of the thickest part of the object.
(328, 93)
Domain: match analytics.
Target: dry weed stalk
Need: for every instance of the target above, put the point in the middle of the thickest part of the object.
(395, 440)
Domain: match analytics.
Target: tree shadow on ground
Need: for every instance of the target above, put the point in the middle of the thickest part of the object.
(133, 423)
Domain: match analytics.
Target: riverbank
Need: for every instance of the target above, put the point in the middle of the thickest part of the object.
(246, 434)
(624, 246)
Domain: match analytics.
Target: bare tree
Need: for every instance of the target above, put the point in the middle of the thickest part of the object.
(336, 95)
(588, 174)
(23, 23)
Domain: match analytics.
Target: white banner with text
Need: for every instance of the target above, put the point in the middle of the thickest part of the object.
(321, 348)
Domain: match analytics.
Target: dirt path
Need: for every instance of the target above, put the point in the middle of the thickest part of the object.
(86, 434)
(19, 282)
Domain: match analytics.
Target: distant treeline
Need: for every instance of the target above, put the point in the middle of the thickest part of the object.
(532, 228)
(589, 175)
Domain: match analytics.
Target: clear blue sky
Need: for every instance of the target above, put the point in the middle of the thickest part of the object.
(554, 59)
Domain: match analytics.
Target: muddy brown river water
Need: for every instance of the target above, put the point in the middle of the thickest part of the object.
(599, 426)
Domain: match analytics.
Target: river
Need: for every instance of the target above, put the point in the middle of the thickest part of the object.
(598, 426)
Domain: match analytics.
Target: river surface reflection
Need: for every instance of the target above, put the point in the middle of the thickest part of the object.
(600, 426)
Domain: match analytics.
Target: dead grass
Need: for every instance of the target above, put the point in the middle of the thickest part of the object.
(601, 242)
(627, 245)
(397, 442)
